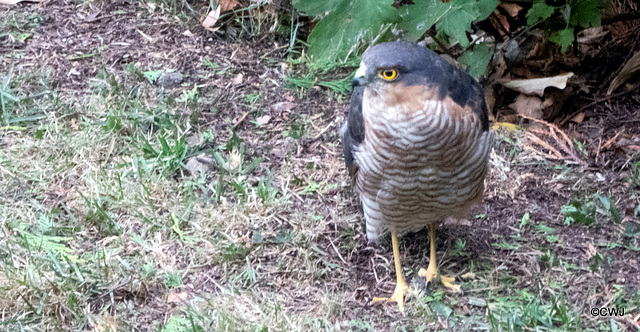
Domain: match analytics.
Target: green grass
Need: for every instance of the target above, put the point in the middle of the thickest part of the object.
(99, 207)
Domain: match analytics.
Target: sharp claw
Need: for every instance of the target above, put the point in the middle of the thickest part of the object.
(448, 283)
(431, 275)
(397, 296)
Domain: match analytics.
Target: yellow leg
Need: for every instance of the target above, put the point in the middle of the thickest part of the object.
(431, 273)
(401, 285)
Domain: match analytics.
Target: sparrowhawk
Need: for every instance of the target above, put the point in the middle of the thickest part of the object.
(417, 142)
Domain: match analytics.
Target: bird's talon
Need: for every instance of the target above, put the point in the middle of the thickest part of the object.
(448, 283)
(430, 274)
(397, 296)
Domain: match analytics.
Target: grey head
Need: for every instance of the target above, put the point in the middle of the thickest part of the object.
(417, 65)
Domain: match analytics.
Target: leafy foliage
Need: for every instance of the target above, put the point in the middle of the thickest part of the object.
(477, 59)
(458, 18)
(562, 17)
(591, 211)
(563, 37)
(539, 11)
(347, 24)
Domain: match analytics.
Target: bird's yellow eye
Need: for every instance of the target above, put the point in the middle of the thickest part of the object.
(389, 74)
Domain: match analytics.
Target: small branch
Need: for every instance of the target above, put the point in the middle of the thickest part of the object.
(621, 18)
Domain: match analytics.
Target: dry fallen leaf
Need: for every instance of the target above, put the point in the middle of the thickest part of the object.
(238, 79)
(177, 297)
(227, 4)
(628, 71)
(198, 164)
(235, 159)
(106, 323)
(211, 20)
(537, 85)
(578, 118)
(91, 17)
(263, 120)
(530, 106)
(283, 106)
(591, 35)
(511, 8)
(590, 251)
(74, 72)
(289, 97)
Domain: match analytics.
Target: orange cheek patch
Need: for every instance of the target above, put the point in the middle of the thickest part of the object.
(456, 110)
(407, 98)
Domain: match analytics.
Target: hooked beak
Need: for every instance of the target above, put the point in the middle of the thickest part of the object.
(359, 79)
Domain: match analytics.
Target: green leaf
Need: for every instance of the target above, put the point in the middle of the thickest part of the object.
(579, 213)
(455, 16)
(349, 23)
(486, 7)
(539, 11)
(609, 206)
(24, 36)
(586, 13)
(477, 59)
(420, 17)
(631, 229)
(457, 20)
(442, 310)
(314, 7)
(152, 75)
(564, 38)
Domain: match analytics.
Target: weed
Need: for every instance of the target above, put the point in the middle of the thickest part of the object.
(170, 154)
(307, 82)
(525, 312)
(18, 26)
(172, 279)
(296, 130)
(591, 210)
(178, 324)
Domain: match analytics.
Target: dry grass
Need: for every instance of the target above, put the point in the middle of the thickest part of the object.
(107, 226)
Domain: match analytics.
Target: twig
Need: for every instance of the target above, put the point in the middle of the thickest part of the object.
(621, 18)
(244, 116)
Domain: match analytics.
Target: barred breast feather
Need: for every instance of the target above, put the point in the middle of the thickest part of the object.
(423, 158)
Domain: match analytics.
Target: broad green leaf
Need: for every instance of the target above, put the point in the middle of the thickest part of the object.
(539, 11)
(314, 7)
(349, 23)
(457, 20)
(586, 13)
(477, 59)
(420, 17)
(564, 38)
(486, 7)
(453, 18)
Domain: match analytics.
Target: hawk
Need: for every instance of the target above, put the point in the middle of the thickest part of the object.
(416, 141)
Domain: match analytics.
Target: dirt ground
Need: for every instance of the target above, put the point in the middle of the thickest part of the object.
(301, 261)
